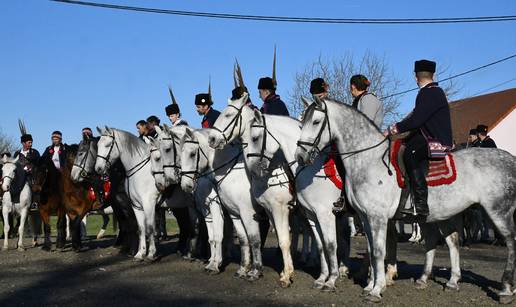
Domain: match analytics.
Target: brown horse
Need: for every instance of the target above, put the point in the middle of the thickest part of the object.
(47, 181)
(60, 195)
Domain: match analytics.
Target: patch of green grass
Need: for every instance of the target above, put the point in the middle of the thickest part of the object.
(94, 223)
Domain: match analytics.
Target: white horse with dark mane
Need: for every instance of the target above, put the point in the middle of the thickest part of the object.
(11, 169)
(376, 194)
(140, 187)
(165, 159)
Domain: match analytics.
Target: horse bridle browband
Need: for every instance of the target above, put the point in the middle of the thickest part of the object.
(237, 120)
(3, 177)
(194, 174)
(314, 151)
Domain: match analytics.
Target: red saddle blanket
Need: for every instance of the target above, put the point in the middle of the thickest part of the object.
(330, 170)
(440, 171)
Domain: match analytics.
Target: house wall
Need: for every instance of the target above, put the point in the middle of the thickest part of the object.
(504, 134)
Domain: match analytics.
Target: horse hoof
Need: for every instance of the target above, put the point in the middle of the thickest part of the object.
(138, 259)
(34, 243)
(211, 271)
(365, 292)
(151, 258)
(329, 288)
(318, 285)
(240, 275)
(373, 298)
(254, 276)
(20, 249)
(451, 287)
(344, 272)
(421, 285)
(389, 282)
(284, 283)
(506, 299)
(46, 248)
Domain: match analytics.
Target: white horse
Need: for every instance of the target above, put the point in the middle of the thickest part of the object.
(165, 154)
(272, 193)
(362, 146)
(10, 170)
(226, 171)
(115, 144)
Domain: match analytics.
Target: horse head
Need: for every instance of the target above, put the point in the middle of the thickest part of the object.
(228, 125)
(165, 156)
(190, 161)
(107, 150)
(261, 146)
(9, 166)
(84, 162)
(314, 137)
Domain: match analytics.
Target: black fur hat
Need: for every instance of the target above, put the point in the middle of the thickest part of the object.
(203, 99)
(424, 65)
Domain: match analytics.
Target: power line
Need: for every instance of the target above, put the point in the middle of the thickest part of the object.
(455, 76)
(493, 87)
(383, 21)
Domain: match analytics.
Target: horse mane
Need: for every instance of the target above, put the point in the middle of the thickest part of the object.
(130, 142)
(311, 108)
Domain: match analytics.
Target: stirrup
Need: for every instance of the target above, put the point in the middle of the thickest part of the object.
(339, 206)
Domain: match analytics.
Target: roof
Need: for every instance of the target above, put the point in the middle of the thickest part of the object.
(489, 110)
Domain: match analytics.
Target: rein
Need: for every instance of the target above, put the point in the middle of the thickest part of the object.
(236, 121)
(82, 164)
(314, 151)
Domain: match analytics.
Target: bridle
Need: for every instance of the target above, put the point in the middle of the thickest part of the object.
(236, 121)
(314, 151)
(7, 176)
(194, 174)
(82, 164)
(261, 155)
(175, 165)
(130, 172)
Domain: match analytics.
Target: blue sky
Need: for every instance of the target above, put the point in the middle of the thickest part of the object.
(66, 66)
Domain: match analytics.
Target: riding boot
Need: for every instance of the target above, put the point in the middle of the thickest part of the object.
(419, 193)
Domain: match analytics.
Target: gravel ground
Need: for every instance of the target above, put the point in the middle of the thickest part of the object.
(102, 277)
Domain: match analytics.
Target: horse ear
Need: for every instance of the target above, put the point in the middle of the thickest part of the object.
(158, 129)
(257, 115)
(306, 102)
(318, 101)
(166, 128)
(189, 133)
(4, 158)
(244, 98)
(99, 130)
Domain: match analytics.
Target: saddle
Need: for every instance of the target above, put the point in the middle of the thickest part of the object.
(440, 171)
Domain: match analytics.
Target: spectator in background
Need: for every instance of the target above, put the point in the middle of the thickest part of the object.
(141, 127)
(485, 141)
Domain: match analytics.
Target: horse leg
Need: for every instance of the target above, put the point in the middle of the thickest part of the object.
(217, 235)
(327, 231)
(378, 238)
(294, 226)
(150, 226)
(452, 240)
(6, 209)
(252, 229)
(280, 214)
(344, 233)
(431, 237)
(105, 222)
(504, 221)
(61, 229)
(68, 230)
(142, 246)
(45, 217)
(23, 218)
(323, 276)
(245, 261)
(391, 258)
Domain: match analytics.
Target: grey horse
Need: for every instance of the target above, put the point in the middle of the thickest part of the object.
(362, 147)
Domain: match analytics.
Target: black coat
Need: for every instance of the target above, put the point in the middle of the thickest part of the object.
(273, 105)
(209, 119)
(62, 156)
(30, 160)
(431, 115)
(487, 143)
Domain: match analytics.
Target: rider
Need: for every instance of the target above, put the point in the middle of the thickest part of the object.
(484, 140)
(152, 121)
(473, 140)
(87, 132)
(28, 158)
(368, 104)
(141, 127)
(203, 103)
(57, 151)
(272, 103)
(174, 114)
(430, 119)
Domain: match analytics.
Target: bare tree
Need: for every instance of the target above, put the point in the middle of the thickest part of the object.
(338, 71)
(7, 144)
